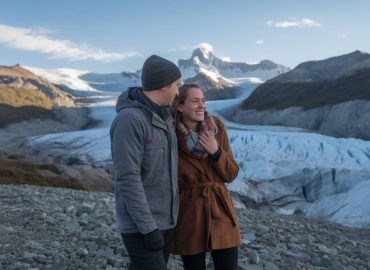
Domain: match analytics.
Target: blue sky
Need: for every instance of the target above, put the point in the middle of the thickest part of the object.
(116, 35)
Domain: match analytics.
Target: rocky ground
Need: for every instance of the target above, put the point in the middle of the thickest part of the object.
(56, 228)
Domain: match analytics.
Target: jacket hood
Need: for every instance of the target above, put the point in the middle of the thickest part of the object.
(134, 97)
(125, 100)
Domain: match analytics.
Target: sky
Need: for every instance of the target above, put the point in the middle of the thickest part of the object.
(108, 36)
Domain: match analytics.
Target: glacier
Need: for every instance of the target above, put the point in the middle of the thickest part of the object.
(281, 169)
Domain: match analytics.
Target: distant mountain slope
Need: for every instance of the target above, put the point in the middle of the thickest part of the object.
(315, 84)
(330, 96)
(85, 83)
(25, 96)
(112, 81)
(66, 77)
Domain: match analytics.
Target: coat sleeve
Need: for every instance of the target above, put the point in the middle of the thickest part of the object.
(226, 166)
(127, 147)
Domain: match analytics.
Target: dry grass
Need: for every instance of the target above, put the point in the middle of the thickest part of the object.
(19, 97)
(21, 104)
(22, 173)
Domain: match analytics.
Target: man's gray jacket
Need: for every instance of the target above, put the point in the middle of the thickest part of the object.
(145, 159)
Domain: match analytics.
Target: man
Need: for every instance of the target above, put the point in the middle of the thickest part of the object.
(145, 159)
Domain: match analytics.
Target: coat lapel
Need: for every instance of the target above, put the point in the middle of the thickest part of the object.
(194, 162)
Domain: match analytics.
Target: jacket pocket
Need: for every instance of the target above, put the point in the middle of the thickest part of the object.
(154, 158)
(222, 209)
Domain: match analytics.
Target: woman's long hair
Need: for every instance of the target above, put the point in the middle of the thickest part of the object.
(180, 99)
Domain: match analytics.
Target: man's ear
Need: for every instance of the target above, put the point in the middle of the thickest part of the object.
(166, 87)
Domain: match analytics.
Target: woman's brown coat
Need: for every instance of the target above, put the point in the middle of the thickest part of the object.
(207, 218)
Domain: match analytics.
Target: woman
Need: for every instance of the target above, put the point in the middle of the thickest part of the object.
(207, 220)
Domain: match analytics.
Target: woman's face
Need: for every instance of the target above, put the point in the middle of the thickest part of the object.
(194, 106)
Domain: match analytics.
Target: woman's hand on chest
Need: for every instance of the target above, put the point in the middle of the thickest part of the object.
(208, 141)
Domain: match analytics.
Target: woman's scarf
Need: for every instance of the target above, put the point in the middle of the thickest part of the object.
(189, 140)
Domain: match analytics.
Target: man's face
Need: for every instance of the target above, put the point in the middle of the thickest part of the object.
(171, 91)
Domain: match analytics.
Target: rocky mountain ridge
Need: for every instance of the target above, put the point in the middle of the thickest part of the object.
(221, 79)
(328, 69)
(19, 77)
(204, 59)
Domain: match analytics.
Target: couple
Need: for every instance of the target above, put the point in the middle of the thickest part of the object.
(170, 172)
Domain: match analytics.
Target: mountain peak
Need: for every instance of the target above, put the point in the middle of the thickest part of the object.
(358, 52)
(16, 71)
(205, 50)
(203, 59)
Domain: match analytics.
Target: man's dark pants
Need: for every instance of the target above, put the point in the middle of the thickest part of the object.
(146, 259)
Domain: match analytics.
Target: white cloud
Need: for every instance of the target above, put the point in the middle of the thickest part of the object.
(304, 22)
(37, 40)
(225, 58)
(205, 47)
(43, 31)
(181, 48)
(259, 42)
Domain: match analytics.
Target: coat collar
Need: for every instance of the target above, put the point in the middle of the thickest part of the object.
(158, 121)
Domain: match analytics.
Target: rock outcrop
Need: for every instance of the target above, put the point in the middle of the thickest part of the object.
(349, 119)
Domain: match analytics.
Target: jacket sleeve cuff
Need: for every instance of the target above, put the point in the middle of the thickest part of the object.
(216, 156)
(147, 228)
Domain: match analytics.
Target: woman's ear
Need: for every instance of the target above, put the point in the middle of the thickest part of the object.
(179, 107)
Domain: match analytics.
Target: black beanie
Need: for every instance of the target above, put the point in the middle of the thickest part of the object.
(158, 72)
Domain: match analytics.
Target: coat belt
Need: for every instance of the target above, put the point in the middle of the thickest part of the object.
(215, 189)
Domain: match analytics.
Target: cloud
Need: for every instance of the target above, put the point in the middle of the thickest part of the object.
(259, 42)
(43, 31)
(37, 40)
(205, 47)
(225, 58)
(304, 22)
(181, 48)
